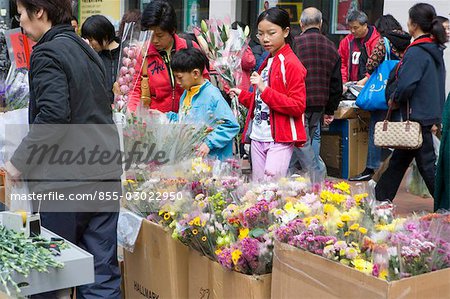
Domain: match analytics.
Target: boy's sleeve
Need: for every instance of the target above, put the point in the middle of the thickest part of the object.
(172, 116)
(228, 126)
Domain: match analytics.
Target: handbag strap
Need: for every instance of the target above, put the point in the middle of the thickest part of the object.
(387, 46)
(388, 115)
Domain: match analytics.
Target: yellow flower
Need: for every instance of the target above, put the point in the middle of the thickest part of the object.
(383, 274)
(195, 231)
(289, 207)
(363, 230)
(363, 265)
(343, 186)
(355, 213)
(243, 233)
(302, 208)
(354, 226)
(359, 197)
(218, 251)
(235, 255)
(204, 238)
(195, 221)
(340, 224)
(301, 179)
(166, 216)
(346, 234)
(345, 217)
(329, 209)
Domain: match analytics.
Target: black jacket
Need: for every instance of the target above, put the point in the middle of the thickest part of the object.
(69, 108)
(110, 59)
(421, 80)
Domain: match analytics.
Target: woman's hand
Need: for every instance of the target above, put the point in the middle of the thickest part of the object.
(257, 80)
(234, 92)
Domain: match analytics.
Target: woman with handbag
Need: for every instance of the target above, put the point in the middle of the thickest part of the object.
(155, 84)
(420, 94)
(395, 40)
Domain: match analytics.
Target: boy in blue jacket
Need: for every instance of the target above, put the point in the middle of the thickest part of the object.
(202, 102)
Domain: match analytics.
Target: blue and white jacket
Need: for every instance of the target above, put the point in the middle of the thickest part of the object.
(209, 107)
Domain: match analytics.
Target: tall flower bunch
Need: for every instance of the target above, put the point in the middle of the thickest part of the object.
(224, 48)
(133, 49)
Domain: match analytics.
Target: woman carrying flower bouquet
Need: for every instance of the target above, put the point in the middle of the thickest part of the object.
(159, 16)
(274, 125)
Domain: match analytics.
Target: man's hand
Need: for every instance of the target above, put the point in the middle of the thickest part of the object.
(12, 171)
(257, 80)
(203, 150)
(362, 82)
(328, 119)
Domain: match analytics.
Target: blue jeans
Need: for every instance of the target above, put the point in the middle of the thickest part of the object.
(307, 157)
(375, 154)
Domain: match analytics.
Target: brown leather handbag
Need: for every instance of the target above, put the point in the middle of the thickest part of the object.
(145, 87)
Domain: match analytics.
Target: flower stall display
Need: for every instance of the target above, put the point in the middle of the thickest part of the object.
(22, 255)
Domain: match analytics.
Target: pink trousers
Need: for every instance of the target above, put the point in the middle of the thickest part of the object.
(270, 160)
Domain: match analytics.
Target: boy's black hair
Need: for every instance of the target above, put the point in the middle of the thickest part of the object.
(187, 60)
(99, 28)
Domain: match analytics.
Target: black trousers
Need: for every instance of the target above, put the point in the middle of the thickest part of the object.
(391, 179)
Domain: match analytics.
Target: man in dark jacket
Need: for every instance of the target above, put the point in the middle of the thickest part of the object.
(71, 130)
(323, 87)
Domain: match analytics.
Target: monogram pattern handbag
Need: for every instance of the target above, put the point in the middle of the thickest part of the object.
(398, 135)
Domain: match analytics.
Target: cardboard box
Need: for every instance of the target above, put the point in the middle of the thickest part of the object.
(296, 272)
(350, 113)
(2, 195)
(209, 280)
(158, 267)
(122, 283)
(344, 147)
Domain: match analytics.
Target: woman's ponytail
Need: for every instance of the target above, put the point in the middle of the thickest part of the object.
(438, 31)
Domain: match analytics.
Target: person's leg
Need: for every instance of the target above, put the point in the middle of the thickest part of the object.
(309, 162)
(277, 160)
(300, 160)
(100, 239)
(426, 159)
(387, 186)
(316, 140)
(258, 158)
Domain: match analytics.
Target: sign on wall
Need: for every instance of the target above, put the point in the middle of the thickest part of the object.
(341, 9)
(109, 8)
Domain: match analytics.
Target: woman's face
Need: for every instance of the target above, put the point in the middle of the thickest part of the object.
(98, 47)
(31, 24)
(162, 40)
(271, 36)
(447, 29)
(412, 27)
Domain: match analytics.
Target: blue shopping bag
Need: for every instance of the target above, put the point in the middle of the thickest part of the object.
(372, 96)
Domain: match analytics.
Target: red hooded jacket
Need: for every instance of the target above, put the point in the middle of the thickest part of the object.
(285, 95)
(165, 97)
(344, 52)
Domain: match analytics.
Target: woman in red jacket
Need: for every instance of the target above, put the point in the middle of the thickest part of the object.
(159, 16)
(275, 120)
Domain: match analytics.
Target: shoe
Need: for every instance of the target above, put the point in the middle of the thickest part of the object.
(366, 175)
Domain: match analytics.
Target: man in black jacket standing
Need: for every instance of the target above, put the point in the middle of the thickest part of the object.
(71, 128)
(323, 87)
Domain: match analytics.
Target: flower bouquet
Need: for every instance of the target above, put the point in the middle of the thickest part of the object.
(224, 48)
(133, 49)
